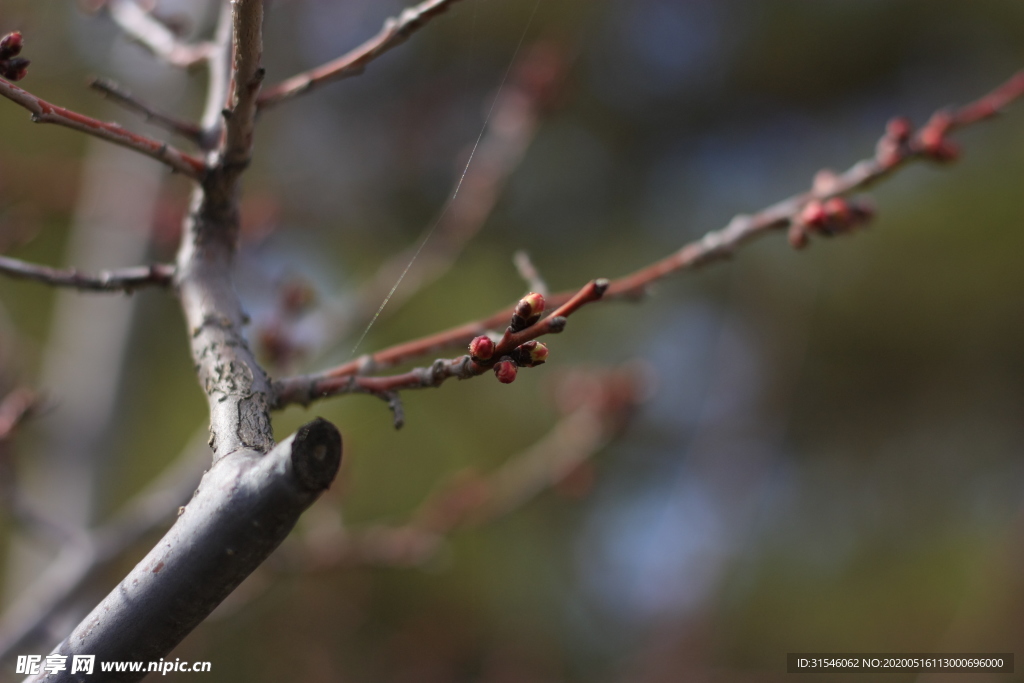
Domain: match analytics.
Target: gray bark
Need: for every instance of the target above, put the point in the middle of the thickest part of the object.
(245, 506)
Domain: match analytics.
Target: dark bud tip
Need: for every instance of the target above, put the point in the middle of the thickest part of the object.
(14, 69)
(601, 285)
(316, 454)
(557, 324)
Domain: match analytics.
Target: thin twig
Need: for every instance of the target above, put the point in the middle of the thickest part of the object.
(396, 30)
(119, 95)
(122, 280)
(152, 34)
(307, 388)
(894, 152)
(44, 112)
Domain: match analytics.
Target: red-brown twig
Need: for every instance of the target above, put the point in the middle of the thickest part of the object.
(896, 148)
(156, 37)
(122, 280)
(113, 92)
(307, 388)
(596, 407)
(396, 30)
(44, 112)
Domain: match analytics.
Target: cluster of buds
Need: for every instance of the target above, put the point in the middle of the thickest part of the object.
(899, 141)
(835, 216)
(527, 355)
(894, 146)
(12, 67)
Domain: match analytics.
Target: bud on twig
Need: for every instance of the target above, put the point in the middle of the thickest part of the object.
(834, 216)
(481, 348)
(527, 311)
(933, 139)
(12, 67)
(530, 354)
(505, 371)
(10, 45)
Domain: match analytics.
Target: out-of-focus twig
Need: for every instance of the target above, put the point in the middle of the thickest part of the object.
(396, 31)
(529, 273)
(44, 112)
(115, 93)
(122, 280)
(596, 406)
(155, 36)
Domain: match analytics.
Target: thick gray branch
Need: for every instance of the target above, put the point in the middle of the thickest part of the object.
(245, 506)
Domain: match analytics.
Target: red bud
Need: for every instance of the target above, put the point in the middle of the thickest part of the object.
(899, 129)
(10, 45)
(814, 214)
(838, 209)
(481, 348)
(505, 371)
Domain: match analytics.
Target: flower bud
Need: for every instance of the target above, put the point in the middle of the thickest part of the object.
(531, 353)
(10, 45)
(505, 371)
(838, 210)
(527, 311)
(899, 129)
(814, 214)
(14, 69)
(481, 348)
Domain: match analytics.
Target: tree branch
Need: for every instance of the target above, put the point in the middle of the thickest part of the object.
(115, 93)
(396, 30)
(245, 506)
(122, 280)
(304, 389)
(247, 75)
(31, 617)
(152, 34)
(898, 147)
(44, 112)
